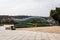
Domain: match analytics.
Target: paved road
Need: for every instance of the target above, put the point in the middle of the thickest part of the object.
(26, 35)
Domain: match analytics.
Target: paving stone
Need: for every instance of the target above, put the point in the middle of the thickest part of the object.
(26, 35)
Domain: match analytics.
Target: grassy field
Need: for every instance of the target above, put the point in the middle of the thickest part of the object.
(51, 29)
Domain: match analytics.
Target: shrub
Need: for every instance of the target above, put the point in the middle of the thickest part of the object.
(22, 25)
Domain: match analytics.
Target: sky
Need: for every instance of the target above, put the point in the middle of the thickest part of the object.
(28, 7)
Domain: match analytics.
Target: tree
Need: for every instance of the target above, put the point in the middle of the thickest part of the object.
(55, 14)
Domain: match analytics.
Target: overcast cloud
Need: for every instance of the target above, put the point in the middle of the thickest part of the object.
(28, 7)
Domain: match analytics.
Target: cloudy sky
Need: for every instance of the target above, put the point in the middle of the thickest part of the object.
(28, 7)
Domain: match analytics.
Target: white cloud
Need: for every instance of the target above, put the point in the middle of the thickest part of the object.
(27, 7)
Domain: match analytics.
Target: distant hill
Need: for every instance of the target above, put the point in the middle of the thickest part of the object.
(19, 17)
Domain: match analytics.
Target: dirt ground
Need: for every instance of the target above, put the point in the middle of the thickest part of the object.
(51, 29)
